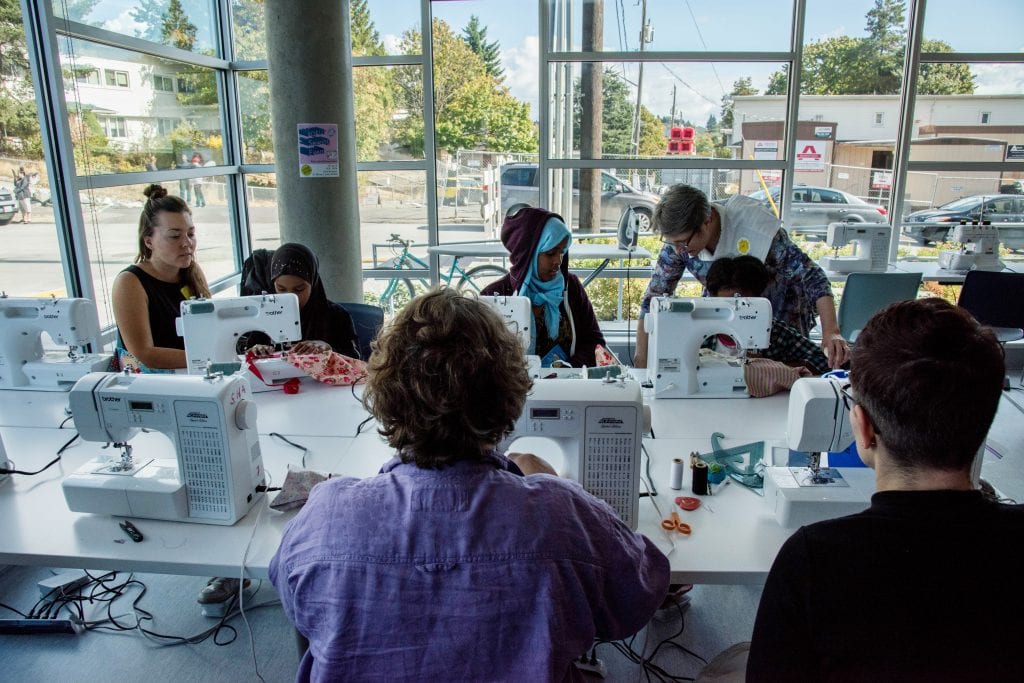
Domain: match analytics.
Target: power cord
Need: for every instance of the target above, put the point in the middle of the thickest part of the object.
(305, 451)
(60, 452)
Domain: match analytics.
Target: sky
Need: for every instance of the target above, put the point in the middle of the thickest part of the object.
(693, 25)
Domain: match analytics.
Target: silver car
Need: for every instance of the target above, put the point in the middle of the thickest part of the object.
(8, 205)
(519, 189)
(813, 208)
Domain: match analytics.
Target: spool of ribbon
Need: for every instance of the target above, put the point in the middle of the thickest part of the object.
(700, 478)
(677, 474)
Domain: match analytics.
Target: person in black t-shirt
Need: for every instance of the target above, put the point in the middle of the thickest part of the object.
(147, 296)
(921, 586)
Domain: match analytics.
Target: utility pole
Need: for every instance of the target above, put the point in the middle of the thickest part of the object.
(591, 116)
(644, 32)
(672, 118)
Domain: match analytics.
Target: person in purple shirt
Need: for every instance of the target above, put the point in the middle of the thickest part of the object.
(456, 562)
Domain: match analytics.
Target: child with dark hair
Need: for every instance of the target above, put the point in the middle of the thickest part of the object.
(748, 276)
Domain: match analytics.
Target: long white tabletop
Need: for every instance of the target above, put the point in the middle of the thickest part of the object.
(735, 537)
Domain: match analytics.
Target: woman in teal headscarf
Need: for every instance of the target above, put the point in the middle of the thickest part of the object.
(565, 327)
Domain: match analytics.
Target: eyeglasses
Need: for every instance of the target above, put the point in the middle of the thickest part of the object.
(679, 245)
(849, 401)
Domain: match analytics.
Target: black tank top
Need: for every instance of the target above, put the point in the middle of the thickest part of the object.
(164, 307)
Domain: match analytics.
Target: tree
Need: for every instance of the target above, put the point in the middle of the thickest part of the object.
(712, 124)
(873, 64)
(471, 108)
(741, 86)
(365, 38)
(19, 121)
(176, 29)
(943, 79)
(617, 119)
(476, 37)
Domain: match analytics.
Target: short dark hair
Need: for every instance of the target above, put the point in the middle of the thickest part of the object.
(683, 209)
(929, 376)
(447, 380)
(746, 274)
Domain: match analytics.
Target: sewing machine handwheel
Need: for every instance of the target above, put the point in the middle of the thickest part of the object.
(245, 414)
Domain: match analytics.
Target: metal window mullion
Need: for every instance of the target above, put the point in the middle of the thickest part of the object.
(102, 36)
(543, 95)
(388, 60)
(429, 150)
(392, 165)
(792, 110)
(905, 130)
(58, 149)
(661, 56)
(232, 146)
(971, 57)
(962, 166)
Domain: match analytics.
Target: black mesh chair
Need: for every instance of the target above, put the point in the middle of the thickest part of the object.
(367, 319)
(997, 300)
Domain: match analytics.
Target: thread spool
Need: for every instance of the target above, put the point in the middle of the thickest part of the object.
(700, 479)
(677, 474)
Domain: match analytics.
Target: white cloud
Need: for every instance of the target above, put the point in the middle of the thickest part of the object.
(521, 64)
(392, 44)
(124, 24)
(998, 79)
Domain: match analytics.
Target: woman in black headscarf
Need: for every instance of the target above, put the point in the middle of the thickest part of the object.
(325, 325)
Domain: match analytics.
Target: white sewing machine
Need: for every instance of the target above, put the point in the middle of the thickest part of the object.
(599, 427)
(517, 312)
(819, 421)
(979, 249)
(212, 329)
(677, 328)
(69, 322)
(210, 420)
(870, 247)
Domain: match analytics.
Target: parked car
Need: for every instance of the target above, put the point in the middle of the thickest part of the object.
(1011, 186)
(813, 208)
(519, 189)
(935, 225)
(8, 206)
(465, 190)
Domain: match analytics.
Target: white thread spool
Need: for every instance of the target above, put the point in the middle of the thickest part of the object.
(677, 474)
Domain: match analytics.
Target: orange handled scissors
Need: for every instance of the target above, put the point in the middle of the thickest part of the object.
(676, 524)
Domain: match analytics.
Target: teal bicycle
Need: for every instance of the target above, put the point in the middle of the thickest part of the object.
(400, 290)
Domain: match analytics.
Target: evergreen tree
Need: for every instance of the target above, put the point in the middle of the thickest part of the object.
(742, 86)
(365, 38)
(476, 37)
(176, 29)
(712, 124)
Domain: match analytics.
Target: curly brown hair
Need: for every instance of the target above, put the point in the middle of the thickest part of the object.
(447, 380)
(159, 201)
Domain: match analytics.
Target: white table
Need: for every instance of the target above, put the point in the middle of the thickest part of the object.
(930, 271)
(735, 537)
(491, 249)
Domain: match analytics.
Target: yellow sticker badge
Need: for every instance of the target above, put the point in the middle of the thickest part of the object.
(743, 245)
(306, 169)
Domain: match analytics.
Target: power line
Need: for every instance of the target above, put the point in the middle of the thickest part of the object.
(701, 36)
(695, 91)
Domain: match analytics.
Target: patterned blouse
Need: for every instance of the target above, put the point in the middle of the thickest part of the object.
(797, 281)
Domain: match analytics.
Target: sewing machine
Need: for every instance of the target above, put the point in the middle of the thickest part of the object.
(677, 328)
(599, 426)
(979, 248)
(211, 420)
(818, 422)
(69, 322)
(214, 329)
(517, 312)
(870, 247)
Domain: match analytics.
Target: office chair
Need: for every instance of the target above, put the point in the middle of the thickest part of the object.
(995, 299)
(367, 320)
(867, 293)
